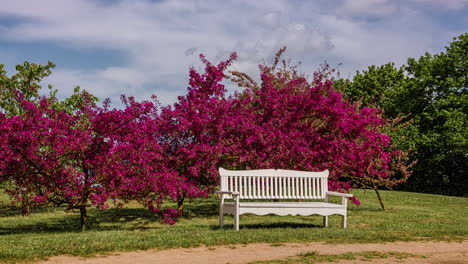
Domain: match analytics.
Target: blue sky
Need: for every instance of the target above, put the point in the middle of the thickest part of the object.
(143, 47)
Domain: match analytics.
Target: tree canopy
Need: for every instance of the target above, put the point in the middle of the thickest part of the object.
(431, 93)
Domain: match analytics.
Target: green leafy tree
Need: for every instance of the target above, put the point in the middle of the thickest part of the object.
(25, 85)
(431, 94)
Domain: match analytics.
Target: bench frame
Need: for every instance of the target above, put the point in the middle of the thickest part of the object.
(271, 184)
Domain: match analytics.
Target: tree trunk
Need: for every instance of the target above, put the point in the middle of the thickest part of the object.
(84, 218)
(25, 208)
(180, 203)
(379, 197)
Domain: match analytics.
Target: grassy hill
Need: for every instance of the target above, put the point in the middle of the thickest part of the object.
(51, 231)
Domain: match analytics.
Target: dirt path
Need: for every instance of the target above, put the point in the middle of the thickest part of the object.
(435, 252)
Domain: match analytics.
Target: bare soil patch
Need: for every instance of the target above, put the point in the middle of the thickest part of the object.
(434, 252)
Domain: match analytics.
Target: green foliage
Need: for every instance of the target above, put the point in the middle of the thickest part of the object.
(26, 83)
(50, 231)
(379, 86)
(431, 92)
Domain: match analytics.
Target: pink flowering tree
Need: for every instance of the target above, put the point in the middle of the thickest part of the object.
(85, 158)
(283, 122)
(297, 124)
(190, 129)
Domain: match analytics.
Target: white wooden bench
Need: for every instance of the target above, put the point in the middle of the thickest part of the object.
(278, 185)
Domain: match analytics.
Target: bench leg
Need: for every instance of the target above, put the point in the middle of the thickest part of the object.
(221, 217)
(343, 221)
(236, 213)
(221, 212)
(236, 221)
(325, 221)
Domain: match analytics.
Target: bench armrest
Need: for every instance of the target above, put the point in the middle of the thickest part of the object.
(347, 195)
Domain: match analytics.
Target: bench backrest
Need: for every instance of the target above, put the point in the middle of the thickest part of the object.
(275, 184)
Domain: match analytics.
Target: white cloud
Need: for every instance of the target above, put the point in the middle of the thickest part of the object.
(357, 8)
(269, 20)
(162, 39)
(448, 4)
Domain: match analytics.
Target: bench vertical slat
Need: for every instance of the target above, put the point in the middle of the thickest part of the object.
(316, 184)
(231, 184)
(311, 186)
(263, 187)
(319, 184)
(235, 184)
(322, 193)
(249, 187)
(306, 188)
(244, 187)
(294, 187)
(319, 188)
(290, 188)
(298, 179)
(298, 188)
(280, 187)
(254, 187)
(272, 187)
(267, 187)
(309, 192)
(325, 188)
(241, 186)
(259, 187)
(232, 188)
(283, 179)
(276, 188)
(303, 189)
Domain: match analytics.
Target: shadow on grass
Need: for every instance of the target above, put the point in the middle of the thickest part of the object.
(68, 223)
(9, 210)
(365, 209)
(111, 219)
(201, 208)
(43, 220)
(268, 226)
(98, 220)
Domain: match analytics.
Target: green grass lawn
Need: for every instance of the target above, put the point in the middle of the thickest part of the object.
(48, 232)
